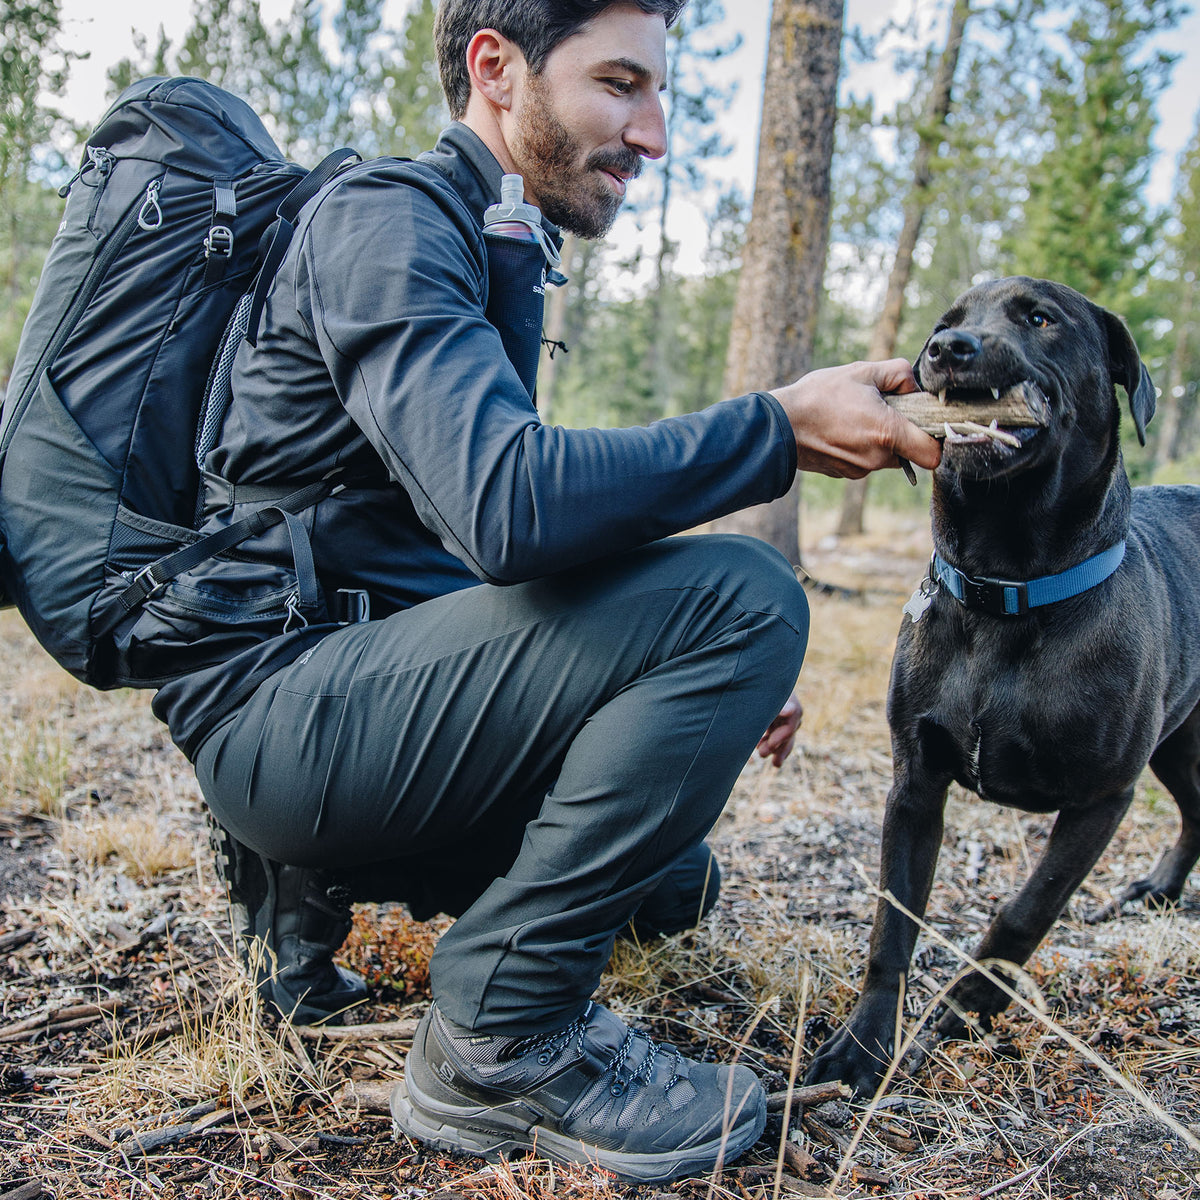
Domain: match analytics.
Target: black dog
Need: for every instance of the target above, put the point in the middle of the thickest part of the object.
(1052, 653)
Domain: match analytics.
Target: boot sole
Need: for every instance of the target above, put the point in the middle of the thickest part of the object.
(494, 1132)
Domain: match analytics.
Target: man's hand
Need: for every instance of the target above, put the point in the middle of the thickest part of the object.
(776, 744)
(843, 427)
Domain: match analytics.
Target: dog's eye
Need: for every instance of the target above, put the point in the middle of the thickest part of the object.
(1038, 320)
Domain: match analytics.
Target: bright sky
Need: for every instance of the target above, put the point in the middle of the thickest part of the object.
(108, 37)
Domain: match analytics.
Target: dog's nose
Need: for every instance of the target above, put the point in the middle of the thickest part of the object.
(953, 348)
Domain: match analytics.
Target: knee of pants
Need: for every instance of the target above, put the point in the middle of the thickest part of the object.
(683, 897)
(761, 580)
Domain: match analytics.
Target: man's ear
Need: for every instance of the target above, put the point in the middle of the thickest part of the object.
(491, 58)
(1125, 365)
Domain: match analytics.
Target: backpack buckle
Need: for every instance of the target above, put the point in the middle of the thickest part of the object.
(354, 605)
(144, 584)
(219, 243)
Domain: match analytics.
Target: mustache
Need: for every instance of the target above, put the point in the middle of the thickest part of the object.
(628, 163)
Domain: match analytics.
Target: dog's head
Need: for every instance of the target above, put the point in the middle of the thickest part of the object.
(1018, 332)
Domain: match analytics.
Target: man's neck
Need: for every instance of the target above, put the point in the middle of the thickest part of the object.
(481, 119)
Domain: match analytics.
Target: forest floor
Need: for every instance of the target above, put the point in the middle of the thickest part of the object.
(135, 1063)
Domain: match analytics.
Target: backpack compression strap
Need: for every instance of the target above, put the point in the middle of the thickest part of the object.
(149, 579)
(284, 226)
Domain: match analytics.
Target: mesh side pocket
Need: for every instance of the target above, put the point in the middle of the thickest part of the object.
(217, 392)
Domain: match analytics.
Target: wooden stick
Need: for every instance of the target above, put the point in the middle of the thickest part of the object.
(16, 939)
(58, 1020)
(399, 1030)
(370, 1096)
(1020, 407)
(808, 1097)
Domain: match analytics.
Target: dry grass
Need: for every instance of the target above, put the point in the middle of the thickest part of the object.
(179, 1086)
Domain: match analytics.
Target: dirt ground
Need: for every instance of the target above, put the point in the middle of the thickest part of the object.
(135, 1063)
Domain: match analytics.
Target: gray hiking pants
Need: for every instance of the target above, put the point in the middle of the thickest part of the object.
(533, 757)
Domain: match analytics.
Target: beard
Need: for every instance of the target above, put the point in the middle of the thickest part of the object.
(570, 193)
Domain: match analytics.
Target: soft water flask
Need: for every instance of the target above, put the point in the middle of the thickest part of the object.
(512, 217)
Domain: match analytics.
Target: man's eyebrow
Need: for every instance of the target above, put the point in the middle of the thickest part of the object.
(629, 65)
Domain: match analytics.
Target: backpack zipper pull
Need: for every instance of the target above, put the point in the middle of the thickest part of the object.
(150, 218)
(99, 160)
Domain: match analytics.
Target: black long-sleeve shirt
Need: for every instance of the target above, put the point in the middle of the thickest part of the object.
(375, 359)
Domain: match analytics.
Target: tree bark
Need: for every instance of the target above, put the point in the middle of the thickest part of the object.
(887, 327)
(557, 301)
(1167, 449)
(779, 289)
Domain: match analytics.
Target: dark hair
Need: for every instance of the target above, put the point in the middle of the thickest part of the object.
(535, 26)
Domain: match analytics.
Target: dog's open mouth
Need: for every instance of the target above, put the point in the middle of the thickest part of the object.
(1013, 415)
(974, 415)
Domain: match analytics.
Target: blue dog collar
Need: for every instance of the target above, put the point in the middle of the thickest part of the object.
(1010, 598)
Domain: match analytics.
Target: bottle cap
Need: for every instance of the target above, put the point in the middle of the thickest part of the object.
(512, 206)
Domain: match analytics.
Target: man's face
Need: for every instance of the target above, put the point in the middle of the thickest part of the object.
(584, 124)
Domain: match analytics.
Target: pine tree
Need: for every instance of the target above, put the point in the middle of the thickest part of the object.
(413, 110)
(33, 65)
(691, 104)
(930, 134)
(1087, 220)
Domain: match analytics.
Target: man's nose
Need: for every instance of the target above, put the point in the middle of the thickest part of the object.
(647, 133)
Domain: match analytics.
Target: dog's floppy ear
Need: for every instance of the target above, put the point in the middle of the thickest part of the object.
(1126, 366)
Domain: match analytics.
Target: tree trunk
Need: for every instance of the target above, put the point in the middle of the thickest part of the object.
(887, 328)
(557, 301)
(1166, 449)
(779, 289)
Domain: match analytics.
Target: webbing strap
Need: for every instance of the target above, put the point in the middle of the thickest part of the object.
(150, 578)
(284, 226)
(218, 244)
(307, 595)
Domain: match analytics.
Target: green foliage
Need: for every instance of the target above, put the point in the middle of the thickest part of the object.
(1172, 351)
(410, 109)
(1087, 220)
(369, 86)
(32, 67)
(604, 381)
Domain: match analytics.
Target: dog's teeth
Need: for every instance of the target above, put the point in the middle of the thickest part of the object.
(995, 393)
(942, 395)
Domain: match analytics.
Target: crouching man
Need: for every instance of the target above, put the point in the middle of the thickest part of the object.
(552, 697)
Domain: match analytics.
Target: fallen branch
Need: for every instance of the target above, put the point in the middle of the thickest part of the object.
(15, 939)
(27, 1191)
(59, 1020)
(370, 1097)
(401, 1031)
(169, 1027)
(808, 1097)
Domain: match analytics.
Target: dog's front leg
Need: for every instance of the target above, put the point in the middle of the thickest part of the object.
(859, 1053)
(1076, 842)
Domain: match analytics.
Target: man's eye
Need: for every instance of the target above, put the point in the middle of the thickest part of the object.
(621, 86)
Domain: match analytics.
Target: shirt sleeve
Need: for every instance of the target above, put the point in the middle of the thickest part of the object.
(392, 280)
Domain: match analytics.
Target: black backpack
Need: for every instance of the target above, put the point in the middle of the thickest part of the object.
(182, 202)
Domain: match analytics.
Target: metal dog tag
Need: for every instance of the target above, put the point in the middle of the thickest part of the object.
(921, 599)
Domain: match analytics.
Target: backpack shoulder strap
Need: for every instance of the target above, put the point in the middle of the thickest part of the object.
(285, 225)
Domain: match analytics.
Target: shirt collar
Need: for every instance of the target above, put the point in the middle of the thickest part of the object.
(462, 156)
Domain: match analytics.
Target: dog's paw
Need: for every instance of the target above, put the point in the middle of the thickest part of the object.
(845, 1059)
(859, 1053)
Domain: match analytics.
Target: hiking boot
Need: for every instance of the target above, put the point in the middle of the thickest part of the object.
(595, 1092)
(289, 923)
(682, 898)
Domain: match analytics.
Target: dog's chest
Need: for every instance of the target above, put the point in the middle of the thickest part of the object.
(1029, 724)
